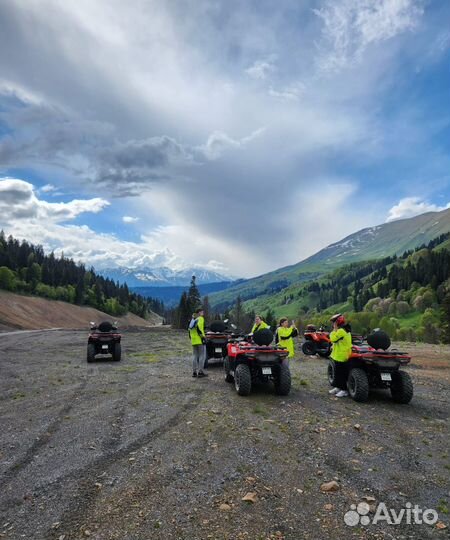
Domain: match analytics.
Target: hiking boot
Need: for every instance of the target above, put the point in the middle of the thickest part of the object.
(202, 374)
(342, 393)
(194, 374)
(333, 391)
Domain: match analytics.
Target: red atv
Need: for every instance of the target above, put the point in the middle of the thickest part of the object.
(251, 361)
(316, 341)
(374, 365)
(104, 339)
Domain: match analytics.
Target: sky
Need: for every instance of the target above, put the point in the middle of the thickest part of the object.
(234, 136)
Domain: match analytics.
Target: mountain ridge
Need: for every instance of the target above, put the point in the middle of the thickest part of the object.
(163, 276)
(391, 238)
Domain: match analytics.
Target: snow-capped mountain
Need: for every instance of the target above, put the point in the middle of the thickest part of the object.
(163, 276)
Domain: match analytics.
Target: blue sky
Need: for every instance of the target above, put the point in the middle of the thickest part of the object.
(234, 136)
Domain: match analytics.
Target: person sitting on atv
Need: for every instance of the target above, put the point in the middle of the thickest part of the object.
(260, 324)
(341, 340)
(197, 335)
(284, 336)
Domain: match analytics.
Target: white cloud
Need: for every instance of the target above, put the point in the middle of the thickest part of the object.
(18, 201)
(130, 219)
(47, 188)
(351, 26)
(261, 69)
(292, 92)
(218, 142)
(412, 206)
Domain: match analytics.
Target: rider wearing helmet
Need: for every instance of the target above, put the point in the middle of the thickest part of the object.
(341, 340)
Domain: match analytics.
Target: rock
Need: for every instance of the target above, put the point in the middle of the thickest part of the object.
(357, 427)
(330, 486)
(98, 485)
(328, 507)
(87, 532)
(250, 479)
(440, 525)
(250, 497)
(368, 498)
(225, 507)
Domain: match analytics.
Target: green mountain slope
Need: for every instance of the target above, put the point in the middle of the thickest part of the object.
(370, 243)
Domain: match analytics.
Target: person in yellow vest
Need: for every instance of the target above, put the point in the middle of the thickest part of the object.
(260, 324)
(285, 334)
(341, 350)
(197, 335)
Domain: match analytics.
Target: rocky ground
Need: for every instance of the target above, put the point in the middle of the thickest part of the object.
(140, 450)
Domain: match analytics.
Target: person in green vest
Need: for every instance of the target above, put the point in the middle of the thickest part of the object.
(197, 335)
(341, 340)
(285, 334)
(260, 324)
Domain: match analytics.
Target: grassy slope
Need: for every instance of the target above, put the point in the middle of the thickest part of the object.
(372, 243)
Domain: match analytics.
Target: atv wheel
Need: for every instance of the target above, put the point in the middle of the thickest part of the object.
(243, 380)
(117, 352)
(283, 381)
(309, 348)
(226, 367)
(91, 352)
(402, 387)
(324, 353)
(358, 385)
(332, 374)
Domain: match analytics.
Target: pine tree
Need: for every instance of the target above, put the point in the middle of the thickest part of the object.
(238, 312)
(207, 309)
(183, 313)
(193, 296)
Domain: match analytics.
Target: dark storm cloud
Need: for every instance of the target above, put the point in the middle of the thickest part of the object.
(38, 134)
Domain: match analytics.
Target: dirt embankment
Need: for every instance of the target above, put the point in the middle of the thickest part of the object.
(31, 313)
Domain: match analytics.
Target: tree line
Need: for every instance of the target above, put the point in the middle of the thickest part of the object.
(25, 268)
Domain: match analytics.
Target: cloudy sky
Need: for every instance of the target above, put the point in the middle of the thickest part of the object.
(239, 136)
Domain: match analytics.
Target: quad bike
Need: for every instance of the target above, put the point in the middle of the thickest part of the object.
(104, 339)
(374, 365)
(318, 341)
(217, 341)
(249, 362)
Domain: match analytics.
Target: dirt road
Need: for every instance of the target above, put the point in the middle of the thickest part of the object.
(140, 450)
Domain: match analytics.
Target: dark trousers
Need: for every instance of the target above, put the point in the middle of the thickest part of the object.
(341, 370)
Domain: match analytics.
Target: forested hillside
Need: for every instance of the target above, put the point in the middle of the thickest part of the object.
(386, 240)
(409, 295)
(25, 268)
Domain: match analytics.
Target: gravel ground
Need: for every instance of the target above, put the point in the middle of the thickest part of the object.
(140, 450)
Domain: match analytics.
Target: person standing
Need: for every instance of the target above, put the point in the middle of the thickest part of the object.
(259, 324)
(197, 335)
(341, 341)
(284, 336)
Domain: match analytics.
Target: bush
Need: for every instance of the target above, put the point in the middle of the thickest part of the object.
(7, 279)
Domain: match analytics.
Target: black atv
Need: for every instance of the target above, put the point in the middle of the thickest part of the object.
(375, 365)
(104, 339)
(216, 341)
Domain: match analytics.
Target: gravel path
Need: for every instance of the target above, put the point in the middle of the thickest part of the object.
(139, 450)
